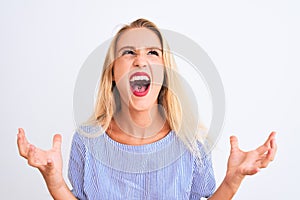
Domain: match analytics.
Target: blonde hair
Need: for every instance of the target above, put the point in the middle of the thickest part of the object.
(172, 96)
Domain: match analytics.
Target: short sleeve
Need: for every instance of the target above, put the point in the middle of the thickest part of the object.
(203, 183)
(76, 166)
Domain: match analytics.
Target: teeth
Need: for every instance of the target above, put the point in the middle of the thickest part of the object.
(139, 78)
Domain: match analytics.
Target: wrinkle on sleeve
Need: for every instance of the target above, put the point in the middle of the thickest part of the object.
(203, 183)
(77, 166)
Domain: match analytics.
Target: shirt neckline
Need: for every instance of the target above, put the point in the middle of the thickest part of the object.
(155, 146)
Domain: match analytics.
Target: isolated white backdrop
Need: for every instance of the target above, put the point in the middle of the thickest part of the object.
(254, 45)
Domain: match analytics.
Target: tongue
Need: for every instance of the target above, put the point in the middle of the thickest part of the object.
(139, 88)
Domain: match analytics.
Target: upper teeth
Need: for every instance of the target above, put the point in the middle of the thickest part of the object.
(138, 78)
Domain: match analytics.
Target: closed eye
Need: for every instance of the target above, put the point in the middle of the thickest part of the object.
(126, 52)
(153, 52)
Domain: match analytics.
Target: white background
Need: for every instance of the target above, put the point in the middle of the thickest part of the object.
(254, 45)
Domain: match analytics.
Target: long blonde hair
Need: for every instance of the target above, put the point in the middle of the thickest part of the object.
(172, 97)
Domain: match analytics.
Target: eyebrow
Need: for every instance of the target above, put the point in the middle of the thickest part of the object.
(133, 48)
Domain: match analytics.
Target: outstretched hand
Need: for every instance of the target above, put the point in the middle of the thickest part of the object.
(242, 163)
(49, 162)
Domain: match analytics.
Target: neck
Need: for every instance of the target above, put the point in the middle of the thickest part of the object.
(140, 123)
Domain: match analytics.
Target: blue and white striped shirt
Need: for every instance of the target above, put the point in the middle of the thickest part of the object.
(97, 173)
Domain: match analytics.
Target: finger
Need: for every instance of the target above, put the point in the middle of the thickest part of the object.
(47, 167)
(22, 143)
(270, 155)
(265, 162)
(21, 134)
(234, 143)
(261, 157)
(272, 135)
(57, 142)
(274, 149)
(31, 156)
(265, 147)
(21, 131)
(50, 165)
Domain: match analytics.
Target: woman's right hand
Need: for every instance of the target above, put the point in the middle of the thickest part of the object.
(48, 162)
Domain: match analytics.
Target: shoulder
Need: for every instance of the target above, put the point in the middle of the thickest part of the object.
(85, 135)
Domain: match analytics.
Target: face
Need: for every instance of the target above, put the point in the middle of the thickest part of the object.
(138, 69)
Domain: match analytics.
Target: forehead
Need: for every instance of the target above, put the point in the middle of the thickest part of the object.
(138, 38)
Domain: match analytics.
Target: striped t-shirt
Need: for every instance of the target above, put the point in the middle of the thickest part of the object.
(101, 168)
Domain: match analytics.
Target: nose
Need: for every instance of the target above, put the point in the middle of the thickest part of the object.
(140, 61)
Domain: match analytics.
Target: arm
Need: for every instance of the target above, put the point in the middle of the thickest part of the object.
(242, 163)
(49, 163)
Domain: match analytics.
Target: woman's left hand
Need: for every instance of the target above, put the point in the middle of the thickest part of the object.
(242, 163)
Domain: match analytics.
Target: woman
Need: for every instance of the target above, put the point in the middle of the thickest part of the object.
(138, 144)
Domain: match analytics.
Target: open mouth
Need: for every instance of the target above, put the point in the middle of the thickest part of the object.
(140, 83)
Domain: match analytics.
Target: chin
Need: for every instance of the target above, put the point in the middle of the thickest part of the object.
(141, 105)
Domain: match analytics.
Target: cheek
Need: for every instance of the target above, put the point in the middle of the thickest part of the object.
(158, 74)
(158, 78)
(121, 70)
